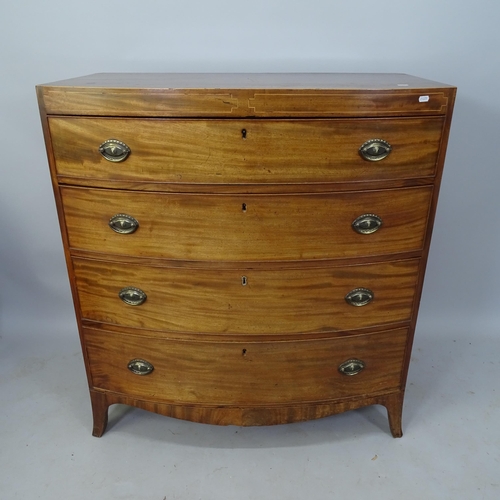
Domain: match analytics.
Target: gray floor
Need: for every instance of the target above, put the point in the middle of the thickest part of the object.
(450, 450)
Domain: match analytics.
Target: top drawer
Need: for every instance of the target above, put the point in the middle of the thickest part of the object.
(244, 151)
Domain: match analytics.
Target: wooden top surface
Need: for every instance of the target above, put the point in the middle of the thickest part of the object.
(271, 95)
(284, 81)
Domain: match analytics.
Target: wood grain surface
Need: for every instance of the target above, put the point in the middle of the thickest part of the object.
(247, 415)
(256, 176)
(272, 301)
(246, 373)
(274, 227)
(240, 94)
(272, 151)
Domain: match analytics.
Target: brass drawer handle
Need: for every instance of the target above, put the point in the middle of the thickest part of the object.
(375, 150)
(351, 367)
(132, 296)
(114, 150)
(359, 297)
(140, 366)
(123, 224)
(367, 224)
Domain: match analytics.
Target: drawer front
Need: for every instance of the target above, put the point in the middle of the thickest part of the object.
(245, 151)
(241, 373)
(246, 227)
(246, 302)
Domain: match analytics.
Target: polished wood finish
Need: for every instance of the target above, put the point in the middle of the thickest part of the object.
(99, 412)
(268, 151)
(271, 228)
(235, 95)
(247, 415)
(290, 372)
(273, 204)
(272, 301)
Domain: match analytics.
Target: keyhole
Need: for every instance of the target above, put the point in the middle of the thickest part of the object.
(244, 133)
(244, 207)
(244, 280)
(244, 352)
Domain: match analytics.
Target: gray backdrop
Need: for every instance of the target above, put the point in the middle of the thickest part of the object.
(452, 41)
(452, 409)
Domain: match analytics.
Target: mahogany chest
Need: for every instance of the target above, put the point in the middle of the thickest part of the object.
(246, 249)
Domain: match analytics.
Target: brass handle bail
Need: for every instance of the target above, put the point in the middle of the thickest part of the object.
(375, 150)
(367, 224)
(359, 297)
(114, 150)
(352, 367)
(140, 366)
(132, 296)
(123, 224)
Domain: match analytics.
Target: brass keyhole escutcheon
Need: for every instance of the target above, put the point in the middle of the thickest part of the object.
(243, 207)
(244, 280)
(244, 133)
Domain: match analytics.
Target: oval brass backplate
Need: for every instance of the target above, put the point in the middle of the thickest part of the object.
(375, 150)
(359, 297)
(140, 366)
(367, 224)
(114, 150)
(132, 296)
(123, 224)
(351, 367)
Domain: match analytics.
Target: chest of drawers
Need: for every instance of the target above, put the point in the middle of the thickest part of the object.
(246, 249)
